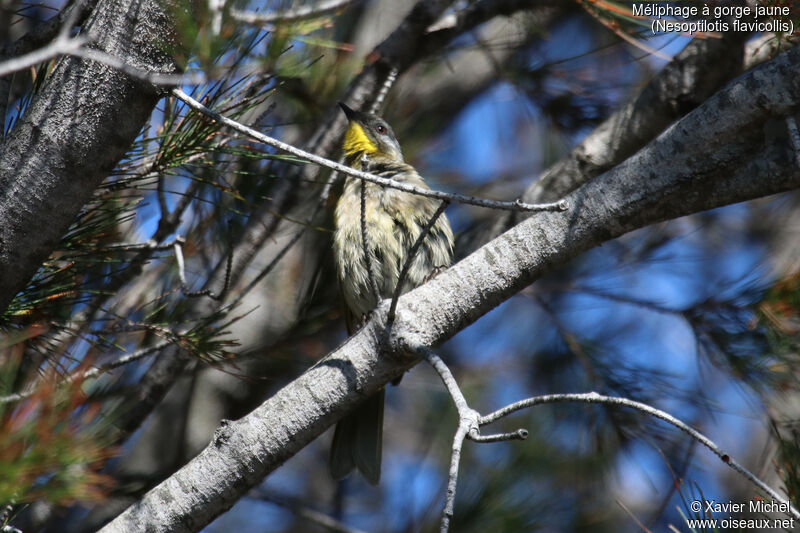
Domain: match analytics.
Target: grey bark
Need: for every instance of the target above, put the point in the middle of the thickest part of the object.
(78, 127)
(717, 155)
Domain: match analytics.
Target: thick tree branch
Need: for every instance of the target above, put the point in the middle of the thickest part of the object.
(685, 170)
(78, 127)
(693, 75)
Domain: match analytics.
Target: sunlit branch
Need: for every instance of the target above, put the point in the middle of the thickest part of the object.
(470, 422)
(385, 182)
(468, 427)
(291, 15)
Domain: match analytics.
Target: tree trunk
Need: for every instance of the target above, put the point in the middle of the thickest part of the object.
(79, 125)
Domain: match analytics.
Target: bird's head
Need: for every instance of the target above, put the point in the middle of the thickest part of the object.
(369, 135)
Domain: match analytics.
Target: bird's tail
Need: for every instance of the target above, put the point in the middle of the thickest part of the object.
(358, 439)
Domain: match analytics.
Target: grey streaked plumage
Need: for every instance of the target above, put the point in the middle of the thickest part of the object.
(394, 221)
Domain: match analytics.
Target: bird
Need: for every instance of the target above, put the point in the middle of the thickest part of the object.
(394, 220)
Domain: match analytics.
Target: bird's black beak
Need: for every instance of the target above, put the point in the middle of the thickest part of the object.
(349, 113)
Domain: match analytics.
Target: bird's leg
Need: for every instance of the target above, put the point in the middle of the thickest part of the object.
(435, 271)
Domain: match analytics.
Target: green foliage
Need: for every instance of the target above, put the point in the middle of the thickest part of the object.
(52, 444)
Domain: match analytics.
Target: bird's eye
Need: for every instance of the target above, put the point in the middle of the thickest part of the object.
(381, 129)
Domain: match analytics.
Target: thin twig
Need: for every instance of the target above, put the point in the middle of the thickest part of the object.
(467, 425)
(410, 259)
(162, 199)
(75, 46)
(452, 477)
(292, 15)
(72, 13)
(633, 516)
(520, 434)
(464, 410)
(151, 246)
(373, 282)
(205, 292)
(59, 46)
(516, 205)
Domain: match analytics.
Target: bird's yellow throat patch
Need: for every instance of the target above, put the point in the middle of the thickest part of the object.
(356, 141)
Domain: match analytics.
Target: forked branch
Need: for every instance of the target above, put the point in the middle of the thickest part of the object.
(470, 422)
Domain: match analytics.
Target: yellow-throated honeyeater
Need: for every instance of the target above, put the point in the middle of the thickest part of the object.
(394, 221)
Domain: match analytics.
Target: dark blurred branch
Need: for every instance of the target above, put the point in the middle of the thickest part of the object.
(794, 136)
(699, 70)
(90, 373)
(694, 166)
(304, 511)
